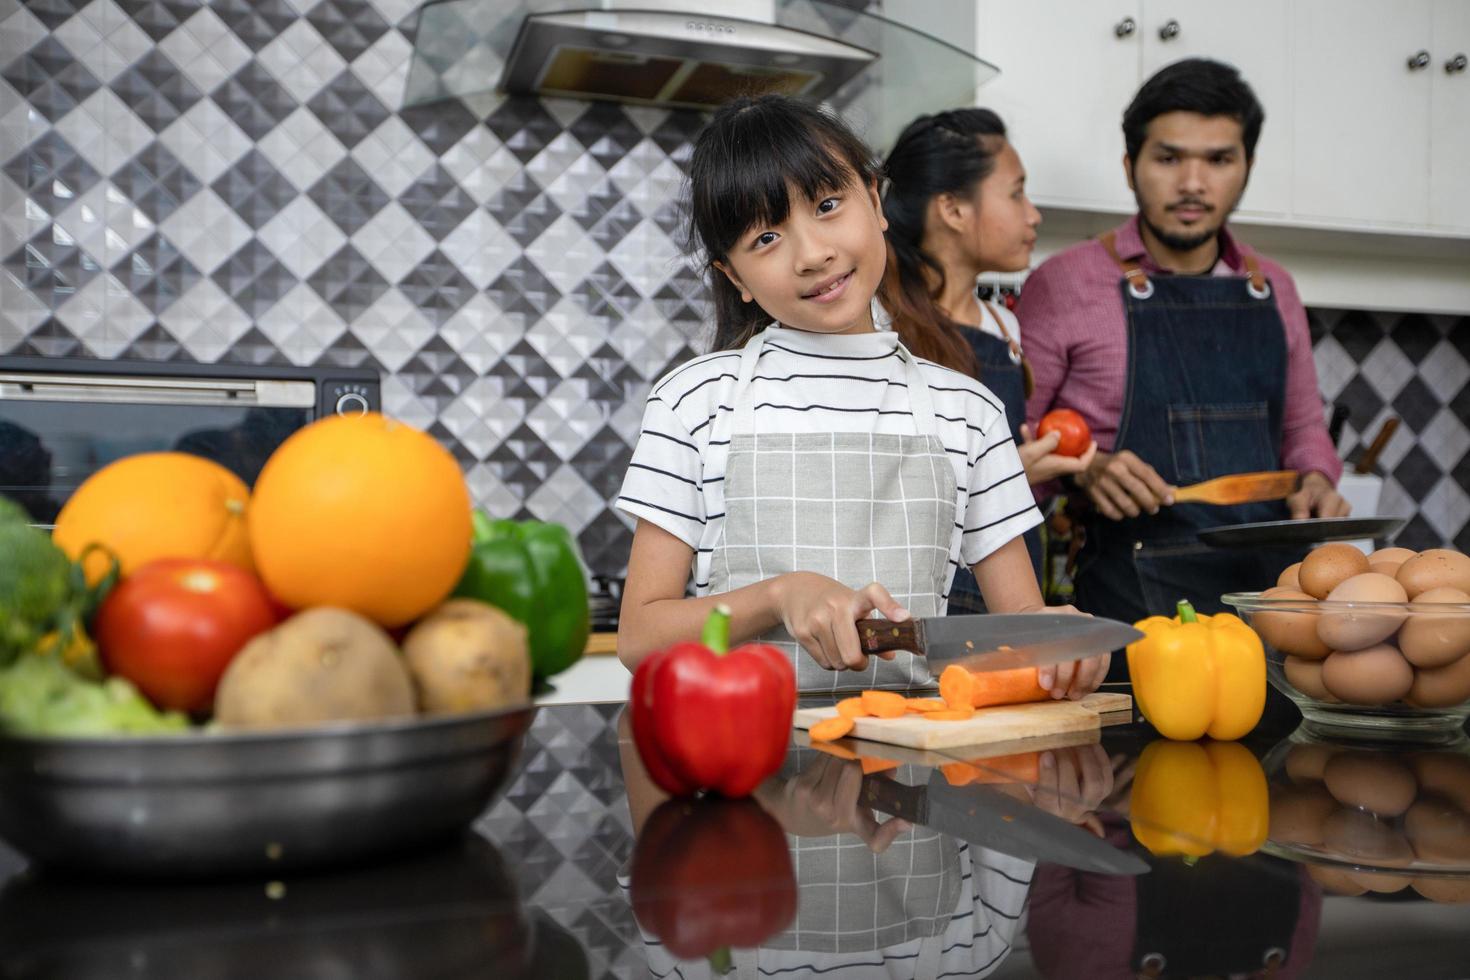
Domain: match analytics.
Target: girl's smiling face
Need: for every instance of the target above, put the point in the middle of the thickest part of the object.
(818, 269)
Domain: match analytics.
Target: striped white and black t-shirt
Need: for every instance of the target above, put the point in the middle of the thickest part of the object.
(807, 382)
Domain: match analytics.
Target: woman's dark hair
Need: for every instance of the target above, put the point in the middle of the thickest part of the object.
(1210, 88)
(947, 153)
(743, 163)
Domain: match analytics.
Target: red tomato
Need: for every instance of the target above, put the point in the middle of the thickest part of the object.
(173, 626)
(1076, 436)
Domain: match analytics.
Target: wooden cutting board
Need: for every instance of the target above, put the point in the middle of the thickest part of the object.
(1008, 723)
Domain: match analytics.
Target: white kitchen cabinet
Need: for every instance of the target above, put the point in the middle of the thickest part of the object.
(1449, 113)
(1362, 133)
(1255, 37)
(1066, 76)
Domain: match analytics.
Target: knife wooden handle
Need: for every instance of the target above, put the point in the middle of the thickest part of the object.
(880, 636)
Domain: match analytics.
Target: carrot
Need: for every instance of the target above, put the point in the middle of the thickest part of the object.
(958, 773)
(980, 689)
(884, 704)
(921, 705)
(829, 729)
(852, 708)
(871, 765)
(1020, 767)
(950, 714)
(840, 751)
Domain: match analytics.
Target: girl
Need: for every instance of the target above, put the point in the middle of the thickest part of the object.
(956, 207)
(812, 452)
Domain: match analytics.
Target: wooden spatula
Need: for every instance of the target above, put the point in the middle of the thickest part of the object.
(1240, 488)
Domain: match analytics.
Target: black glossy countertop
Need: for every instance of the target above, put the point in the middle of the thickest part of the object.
(548, 885)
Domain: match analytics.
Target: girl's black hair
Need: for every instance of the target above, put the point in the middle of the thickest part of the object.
(946, 153)
(744, 161)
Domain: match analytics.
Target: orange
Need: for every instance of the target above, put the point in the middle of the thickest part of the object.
(363, 513)
(157, 505)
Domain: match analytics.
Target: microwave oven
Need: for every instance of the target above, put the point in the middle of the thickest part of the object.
(62, 419)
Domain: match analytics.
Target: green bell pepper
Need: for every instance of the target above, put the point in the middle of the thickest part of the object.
(532, 571)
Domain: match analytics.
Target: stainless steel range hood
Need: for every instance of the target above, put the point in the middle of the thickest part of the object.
(697, 54)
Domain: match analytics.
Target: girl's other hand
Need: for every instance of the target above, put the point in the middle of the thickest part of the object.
(821, 614)
(1077, 678)
(1040, 459)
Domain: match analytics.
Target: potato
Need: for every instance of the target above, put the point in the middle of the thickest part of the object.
(321, 665)
(468, 656)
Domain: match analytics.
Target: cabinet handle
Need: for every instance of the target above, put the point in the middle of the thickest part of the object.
(1125, 27)
(1169, 31)
(1419, 61)
(1456, 64)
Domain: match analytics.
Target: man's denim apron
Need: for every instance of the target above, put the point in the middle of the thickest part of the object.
(1205, 397)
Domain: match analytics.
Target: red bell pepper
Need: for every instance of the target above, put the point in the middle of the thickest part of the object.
(711, 874)
(707, 719)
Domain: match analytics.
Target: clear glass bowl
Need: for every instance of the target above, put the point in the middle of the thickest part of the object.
(1373, 816)
(1276, 620)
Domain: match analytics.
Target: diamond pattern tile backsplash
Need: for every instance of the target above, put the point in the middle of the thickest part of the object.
(233, 181)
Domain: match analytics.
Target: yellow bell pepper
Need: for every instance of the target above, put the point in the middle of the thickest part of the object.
(1198, 675)
(1193, 798)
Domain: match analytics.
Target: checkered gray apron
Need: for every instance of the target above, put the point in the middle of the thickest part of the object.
(858, 507)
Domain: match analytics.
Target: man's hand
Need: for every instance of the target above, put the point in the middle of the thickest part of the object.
(1122, 485)
(1317, 498)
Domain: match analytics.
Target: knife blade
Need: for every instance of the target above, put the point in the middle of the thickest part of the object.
(995, 641)
(989, 818)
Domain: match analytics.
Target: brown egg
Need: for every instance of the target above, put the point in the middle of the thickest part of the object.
(1292, 632)
(1385, 882)
(1298, 812)
(1377, 675)
(1357, 629)
(1449, 889)
(1371, 781)
(1436, 568)
(1432, 639)
(1306, 676)
(1361, 837)
(1444, 773)
(1393, 557)
(1329, 566)
(1438, 831)
(1334, 881)
(1440, 687)
(1306, 763)
(1288, 579)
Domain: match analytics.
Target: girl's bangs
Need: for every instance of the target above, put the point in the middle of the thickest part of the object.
(764, 163)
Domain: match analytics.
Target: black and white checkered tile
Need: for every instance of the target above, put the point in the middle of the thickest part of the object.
(1417, 368)
(234, 180)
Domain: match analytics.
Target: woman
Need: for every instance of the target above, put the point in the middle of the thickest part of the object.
(956, 207)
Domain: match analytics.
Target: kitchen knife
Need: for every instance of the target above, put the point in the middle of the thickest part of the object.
(997, 642)
(1240, 488)
(986, 817)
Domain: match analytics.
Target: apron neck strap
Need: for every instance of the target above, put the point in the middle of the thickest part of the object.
(1138, 284)
(742, 418)
(1258, 286)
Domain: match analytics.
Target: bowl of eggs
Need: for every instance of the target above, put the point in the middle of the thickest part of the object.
(1374, 644)
(1371, 817)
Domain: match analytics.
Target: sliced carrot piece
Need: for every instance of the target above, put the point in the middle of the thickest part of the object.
(871, 765)
(852, 708)
(950, 714)
(959, 773)
(915, 705)
(841, 751)
(829, 728)
(884, 704)
(980, 689)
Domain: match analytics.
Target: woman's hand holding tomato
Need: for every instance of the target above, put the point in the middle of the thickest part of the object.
(1075, 435)
(1063, 447)
(174, 625)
